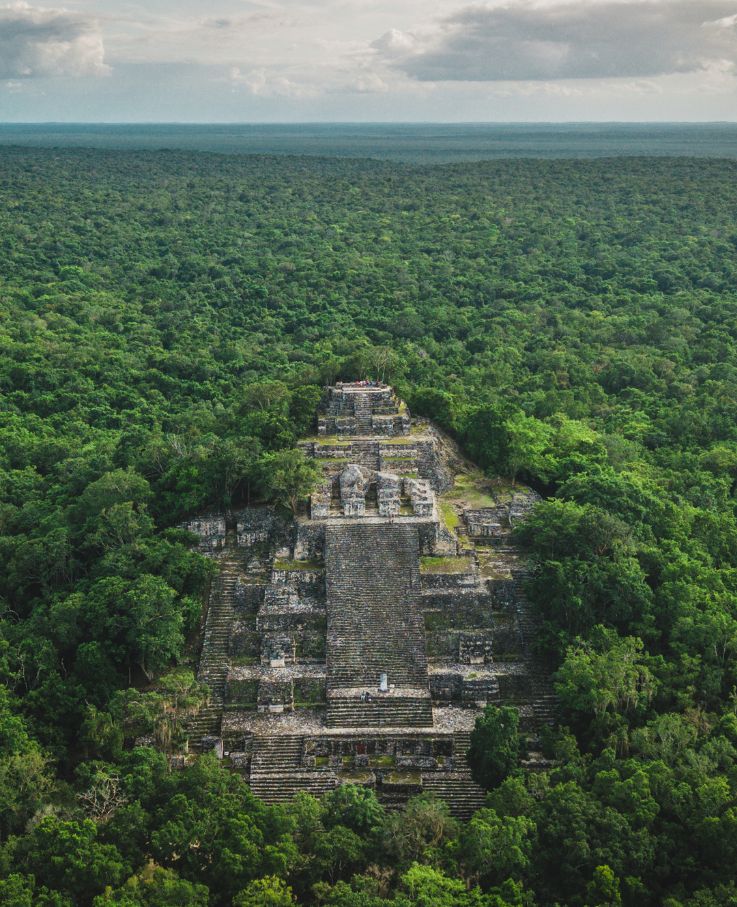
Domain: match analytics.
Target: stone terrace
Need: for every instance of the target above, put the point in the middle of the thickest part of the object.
(362, 409)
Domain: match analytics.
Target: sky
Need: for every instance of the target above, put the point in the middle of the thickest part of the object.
(368, 61)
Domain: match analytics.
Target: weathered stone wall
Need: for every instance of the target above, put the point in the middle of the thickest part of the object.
(383, 752)
(310, 541)
(262, 526)
(462, 582)
(275, 695)
(449, 688)
(241, 693)
(210, 530)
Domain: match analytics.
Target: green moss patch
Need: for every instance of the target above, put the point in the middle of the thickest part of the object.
(297, 565)
(445, 565)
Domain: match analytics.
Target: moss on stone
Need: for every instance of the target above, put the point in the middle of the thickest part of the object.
(297, 565)
(445, 564)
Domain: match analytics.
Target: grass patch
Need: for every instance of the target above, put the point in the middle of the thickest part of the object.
(445, 564)
(473, 491)
(297, 565)
(357, 777)
(329, 440)
(396, 442)
(450, 517)
(403, 778)
(382, 761)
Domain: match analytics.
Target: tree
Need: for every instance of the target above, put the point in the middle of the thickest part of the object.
(288, 477)
(25, 779)
(353, 806)
(485, 436)
(270, 891)
(428, 887)
(155, 887)
(111, 510)
(603, 890)
(434, 403)
(67, 856)
(495, 848)
(608, 674)
(495, 745)
(230, 469)
(22, 891)
(164, 711)
(155, 624)
(529, 447)
(420, 832)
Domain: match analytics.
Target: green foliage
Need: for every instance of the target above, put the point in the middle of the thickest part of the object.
(155, 887)
(288, 477)
(495, 848)
(268, 892)
(167, 321)
(68, 856)
(495, 745)
(604, 677)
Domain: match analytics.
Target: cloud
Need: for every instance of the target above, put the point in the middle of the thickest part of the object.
(529, 42)
(48, 42)
(263, 84)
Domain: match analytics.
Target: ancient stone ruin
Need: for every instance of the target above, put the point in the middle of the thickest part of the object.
(358, 642)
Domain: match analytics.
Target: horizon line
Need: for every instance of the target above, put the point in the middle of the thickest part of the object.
(368, 123)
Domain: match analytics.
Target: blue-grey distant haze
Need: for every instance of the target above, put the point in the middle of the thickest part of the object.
(423, 143)
(275, 61)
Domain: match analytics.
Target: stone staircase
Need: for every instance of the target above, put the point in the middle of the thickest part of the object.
(394, 712)
(277, 753)
(456, 788)
(277, 773)
(214, 662)
(375, 624)
(544, 700)
(363, 411)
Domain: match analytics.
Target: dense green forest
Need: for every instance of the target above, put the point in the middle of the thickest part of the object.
(167, 322)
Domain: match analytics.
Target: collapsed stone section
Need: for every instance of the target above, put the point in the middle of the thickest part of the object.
(376, 659)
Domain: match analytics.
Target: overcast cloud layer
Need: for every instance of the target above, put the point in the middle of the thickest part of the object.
(524, 41)
(38, 42)
(272, 60)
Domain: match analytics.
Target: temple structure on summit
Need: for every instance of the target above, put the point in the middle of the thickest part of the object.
(358, 642)
(363, 408)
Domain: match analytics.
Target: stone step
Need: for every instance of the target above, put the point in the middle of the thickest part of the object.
(457, 789)
(374, 622)
(279, 787)
(213, 667)
(394, 712)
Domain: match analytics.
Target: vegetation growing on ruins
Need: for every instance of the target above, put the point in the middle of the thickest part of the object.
(167, 322)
